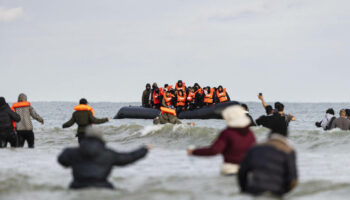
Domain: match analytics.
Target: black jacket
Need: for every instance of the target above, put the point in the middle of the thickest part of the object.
(92, 162)
(269, 167)
(6, 117)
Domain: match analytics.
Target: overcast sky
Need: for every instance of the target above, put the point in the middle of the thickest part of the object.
(291, 50)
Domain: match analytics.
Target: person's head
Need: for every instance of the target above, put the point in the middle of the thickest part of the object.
(220, 88)
(330, 111)
(347, 111)
(166, 85)
(148, 86)
(342, 113)
(236, 117)
(83, 101)
(94, 132)
(168, 93)
(277, 104)
(22, 97)
(245, 107)
(279, 126)
(180, 92)
(179, 83)
(154, 86)
(189, 88)
(2, 101)
(279, 107)
(269, 110)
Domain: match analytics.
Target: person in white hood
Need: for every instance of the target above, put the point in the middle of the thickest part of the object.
(327, 120)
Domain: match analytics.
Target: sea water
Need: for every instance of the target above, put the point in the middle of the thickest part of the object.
(167, 173)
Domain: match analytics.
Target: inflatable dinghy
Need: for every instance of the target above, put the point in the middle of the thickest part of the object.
(138, 112)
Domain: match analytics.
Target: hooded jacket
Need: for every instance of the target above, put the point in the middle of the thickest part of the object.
(26, 112)
(7, 116)
(232, 143)
(269, 167)
(92, 162)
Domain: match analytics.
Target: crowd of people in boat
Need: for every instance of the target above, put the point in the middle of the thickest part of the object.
(183, 97)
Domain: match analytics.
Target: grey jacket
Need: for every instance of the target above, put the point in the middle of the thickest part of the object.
(26, 112)
(342, 123)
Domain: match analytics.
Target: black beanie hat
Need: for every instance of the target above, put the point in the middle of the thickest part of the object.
(83, 101)
(2, 101)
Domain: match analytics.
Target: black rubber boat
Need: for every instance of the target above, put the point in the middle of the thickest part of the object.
(138, 112)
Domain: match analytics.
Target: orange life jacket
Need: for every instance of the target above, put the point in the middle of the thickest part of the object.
(200, 91)
(222, 96)
(168, 110)
(167, 88)
(208, 98)
(161, 91)
(18, 105)
(183, 88)
(168, 100)
(191, 97)
(83, 107)
(181, 100)
(156, 97)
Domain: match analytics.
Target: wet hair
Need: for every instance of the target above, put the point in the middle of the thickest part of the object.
(83, 101)
(179, 81)
(330, 111)
(279, 107)
(245, 106)
(2, 101)
(268, 109)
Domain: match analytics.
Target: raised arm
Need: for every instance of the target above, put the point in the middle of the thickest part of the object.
(217, 147)
(69, 123)
(122, 159)
(262, 100)
(35, 115)
(96, 120)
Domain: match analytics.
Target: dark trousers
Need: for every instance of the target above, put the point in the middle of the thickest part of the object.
(80, 136)
(8, 136)
(24, 136)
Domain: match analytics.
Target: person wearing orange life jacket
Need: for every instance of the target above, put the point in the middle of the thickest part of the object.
(84, 117)
(191, 99)
(198, 95)
(180, 101)
(221, 95)
(24, 127)
(168, 99)
(208, 96)
(167, 115)
(7, 132)
(156, 96)
(167, 87)
(180, 86)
